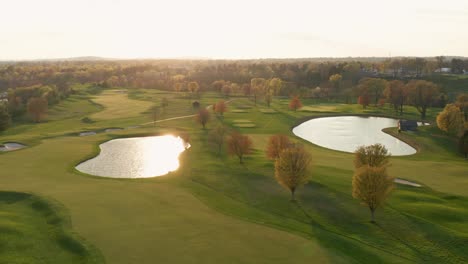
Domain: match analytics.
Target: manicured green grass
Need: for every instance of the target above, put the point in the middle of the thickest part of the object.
(34, 230)
(215, 210)
(117, 105)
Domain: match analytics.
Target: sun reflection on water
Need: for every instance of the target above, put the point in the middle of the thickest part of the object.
(136, 157)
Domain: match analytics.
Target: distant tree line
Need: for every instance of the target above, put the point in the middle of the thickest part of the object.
(328, 79)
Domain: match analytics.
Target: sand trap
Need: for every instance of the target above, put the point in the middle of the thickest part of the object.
(405, 182)
(10, 146)
(87, 133)
(113, 130)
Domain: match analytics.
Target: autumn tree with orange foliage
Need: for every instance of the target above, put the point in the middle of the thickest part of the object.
(451, 120)
(37, 108)
(363, 100)
(291, 168)
(239, 145)
(276, 144)
(371, 182)
(220, 107)
(203, 117)
(421, 94)
(295, 103)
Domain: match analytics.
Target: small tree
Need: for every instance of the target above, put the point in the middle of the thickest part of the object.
(291, 168)
(37, 108)
(451, 120)
(164, 103)
(463, 144)
(220, 107)
(374, 155)
(421, 94)
(218, 136)
(193, 88)
(155, 114)
(203, 117)
(5, 118)
(226, 90)
(372, 185)
(239, 145)
(295, 103)
(395, 93)
(257, 87)
(276, 144)
(363, 100)
(462, 103)
(268, 97)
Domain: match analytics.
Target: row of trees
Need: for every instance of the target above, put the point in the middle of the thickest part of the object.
(371, 181)
(164, 74)
(418, 93)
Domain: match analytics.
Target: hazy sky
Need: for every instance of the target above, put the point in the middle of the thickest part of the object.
(32, 29)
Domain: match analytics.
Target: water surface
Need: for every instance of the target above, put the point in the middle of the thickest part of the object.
(347, 133)
(10, 146)
(141, 157)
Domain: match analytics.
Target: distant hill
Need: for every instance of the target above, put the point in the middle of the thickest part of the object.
(305, 59)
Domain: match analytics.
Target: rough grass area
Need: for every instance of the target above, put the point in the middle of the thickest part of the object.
(34, 230)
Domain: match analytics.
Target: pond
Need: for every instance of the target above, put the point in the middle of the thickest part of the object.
(10, 146)
(346, 133)
(140, 157)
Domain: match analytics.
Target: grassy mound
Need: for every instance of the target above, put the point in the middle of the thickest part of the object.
(37, 231)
